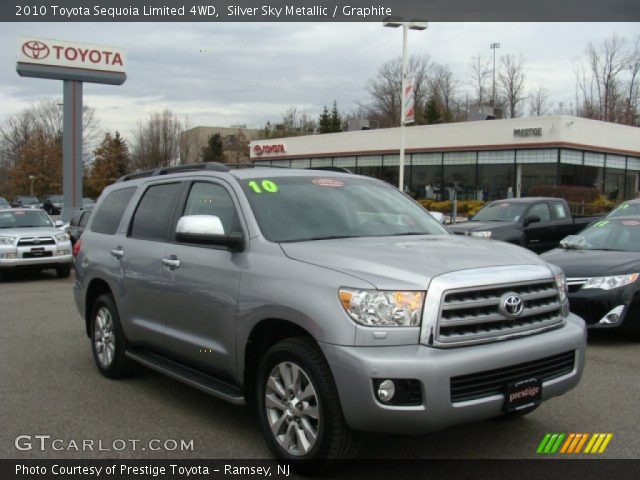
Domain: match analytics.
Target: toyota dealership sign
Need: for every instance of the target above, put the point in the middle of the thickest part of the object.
(58, 53)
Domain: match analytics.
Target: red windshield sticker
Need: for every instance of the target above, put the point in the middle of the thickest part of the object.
(328, 182)
(631, 223)
(19, 212)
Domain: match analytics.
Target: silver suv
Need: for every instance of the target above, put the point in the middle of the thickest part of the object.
(333, 303)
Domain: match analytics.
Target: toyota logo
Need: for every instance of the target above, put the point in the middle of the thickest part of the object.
(35, 49)
(257, 149)
(36, 240)
(511, 305)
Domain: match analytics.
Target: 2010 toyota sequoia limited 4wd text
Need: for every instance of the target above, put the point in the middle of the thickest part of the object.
(332, 303)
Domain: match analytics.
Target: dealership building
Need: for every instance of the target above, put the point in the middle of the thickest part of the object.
(482, 160)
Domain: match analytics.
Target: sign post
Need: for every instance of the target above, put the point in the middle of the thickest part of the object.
(73, 63)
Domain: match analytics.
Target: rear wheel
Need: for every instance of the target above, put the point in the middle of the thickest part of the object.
(108, 342)
(298, 405)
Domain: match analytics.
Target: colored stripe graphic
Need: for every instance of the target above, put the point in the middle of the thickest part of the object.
(573, 443)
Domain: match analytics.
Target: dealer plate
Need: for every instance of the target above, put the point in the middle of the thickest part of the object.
(523, 394)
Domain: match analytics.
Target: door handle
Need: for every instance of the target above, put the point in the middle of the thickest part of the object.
(117, 252)
(172, 262)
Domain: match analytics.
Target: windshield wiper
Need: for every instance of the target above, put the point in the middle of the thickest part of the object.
(405, 233)
(329, 237)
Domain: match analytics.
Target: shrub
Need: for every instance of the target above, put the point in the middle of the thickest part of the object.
(571, 193)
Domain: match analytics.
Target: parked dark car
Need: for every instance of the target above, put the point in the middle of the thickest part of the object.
(24, 201)
(602, 266)
(4, 203)
(52, 204)
(78, 222)
(536, 223)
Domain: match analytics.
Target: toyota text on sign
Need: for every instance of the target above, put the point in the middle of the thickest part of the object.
(42, 51)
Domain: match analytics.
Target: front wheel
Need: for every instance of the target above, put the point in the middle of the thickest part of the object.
(298, 404)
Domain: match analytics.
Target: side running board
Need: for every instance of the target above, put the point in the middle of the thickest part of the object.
(206, 383)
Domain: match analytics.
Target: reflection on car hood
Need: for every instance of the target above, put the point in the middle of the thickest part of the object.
(407, 262)
(593, 263)
(29, 232)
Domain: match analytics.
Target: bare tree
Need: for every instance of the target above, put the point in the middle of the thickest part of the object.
(511, 80)
(479, 71)
(156, 142)
(539, 101)
(443, 84)
(385, 91)
(632, 101)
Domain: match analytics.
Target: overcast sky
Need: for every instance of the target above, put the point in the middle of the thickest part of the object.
(247, 73)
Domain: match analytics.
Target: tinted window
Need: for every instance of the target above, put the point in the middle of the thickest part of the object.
(110, 212)
(75, 220)
(212, 199)
(541, 210)
(154, 212)
(500, 212)
(84, 219)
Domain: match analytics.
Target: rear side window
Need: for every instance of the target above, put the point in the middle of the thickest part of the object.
(75, 220)
(84, 219)
(154, 212)
(110, 212)
(559, 211)
(541, 210)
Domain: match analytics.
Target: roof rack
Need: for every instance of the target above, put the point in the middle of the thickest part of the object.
(210, 166)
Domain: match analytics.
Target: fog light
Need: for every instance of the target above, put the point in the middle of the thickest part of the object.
(9, 255)
(63, 252)
(386, 391)
(612, 317)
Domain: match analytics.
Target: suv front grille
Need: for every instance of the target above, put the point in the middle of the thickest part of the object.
(32, 242)
(473, 315)
(494, 382)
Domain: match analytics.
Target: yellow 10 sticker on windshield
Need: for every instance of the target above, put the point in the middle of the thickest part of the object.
(262, 186)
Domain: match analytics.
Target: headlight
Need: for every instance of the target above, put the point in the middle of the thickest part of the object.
(62, 237)
(7, 240)
(383, 308)
(609, 283)
(481, 234)
(561, 285)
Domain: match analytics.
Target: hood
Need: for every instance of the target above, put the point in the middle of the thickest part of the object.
(29, 232)
(470, 226)
(593, 263)
(407, 262)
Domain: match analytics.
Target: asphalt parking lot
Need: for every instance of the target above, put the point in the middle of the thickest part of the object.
(49, 386)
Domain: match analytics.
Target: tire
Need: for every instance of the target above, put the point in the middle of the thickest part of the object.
(108, 343)
(64, 271)
(319, 411)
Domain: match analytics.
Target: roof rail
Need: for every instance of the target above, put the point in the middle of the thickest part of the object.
(191, 167)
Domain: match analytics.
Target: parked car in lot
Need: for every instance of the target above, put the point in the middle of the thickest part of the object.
(88, 202)
(602, 265)
(78, 223)
(52, 204)
(29, 239)
(536, 223)
(629, 207)
(22, 201)
(331, 302)
(4, 204)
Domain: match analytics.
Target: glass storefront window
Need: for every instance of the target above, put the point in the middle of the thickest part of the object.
(494, 180)
(633, 170)
(321, 162)
(462, 179)
(540, 174)
(614, 184)
(426, 181)
(300, 163)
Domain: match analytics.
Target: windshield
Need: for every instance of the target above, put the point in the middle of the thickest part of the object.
(617, 234)
(294, 209)
(29, 200)
(24, 219)
(56, 198)
(500, 212)
(625, 209)
(3, 202)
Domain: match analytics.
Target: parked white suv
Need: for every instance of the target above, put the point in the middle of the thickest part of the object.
(29, 239)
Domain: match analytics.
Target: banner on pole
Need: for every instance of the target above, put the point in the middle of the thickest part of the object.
(408, 116)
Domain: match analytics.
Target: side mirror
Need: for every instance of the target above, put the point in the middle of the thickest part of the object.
(59, 223)
(531, 219)
(207, 230)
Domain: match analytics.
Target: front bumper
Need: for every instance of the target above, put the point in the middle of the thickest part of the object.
(354, 369)
(50, 257)
(593, 304)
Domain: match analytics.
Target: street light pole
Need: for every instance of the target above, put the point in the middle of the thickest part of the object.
(402, 106)
(406, 26)
(493, 47)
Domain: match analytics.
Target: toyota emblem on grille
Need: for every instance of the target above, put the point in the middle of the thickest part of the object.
(511, 305)
(36, 240)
